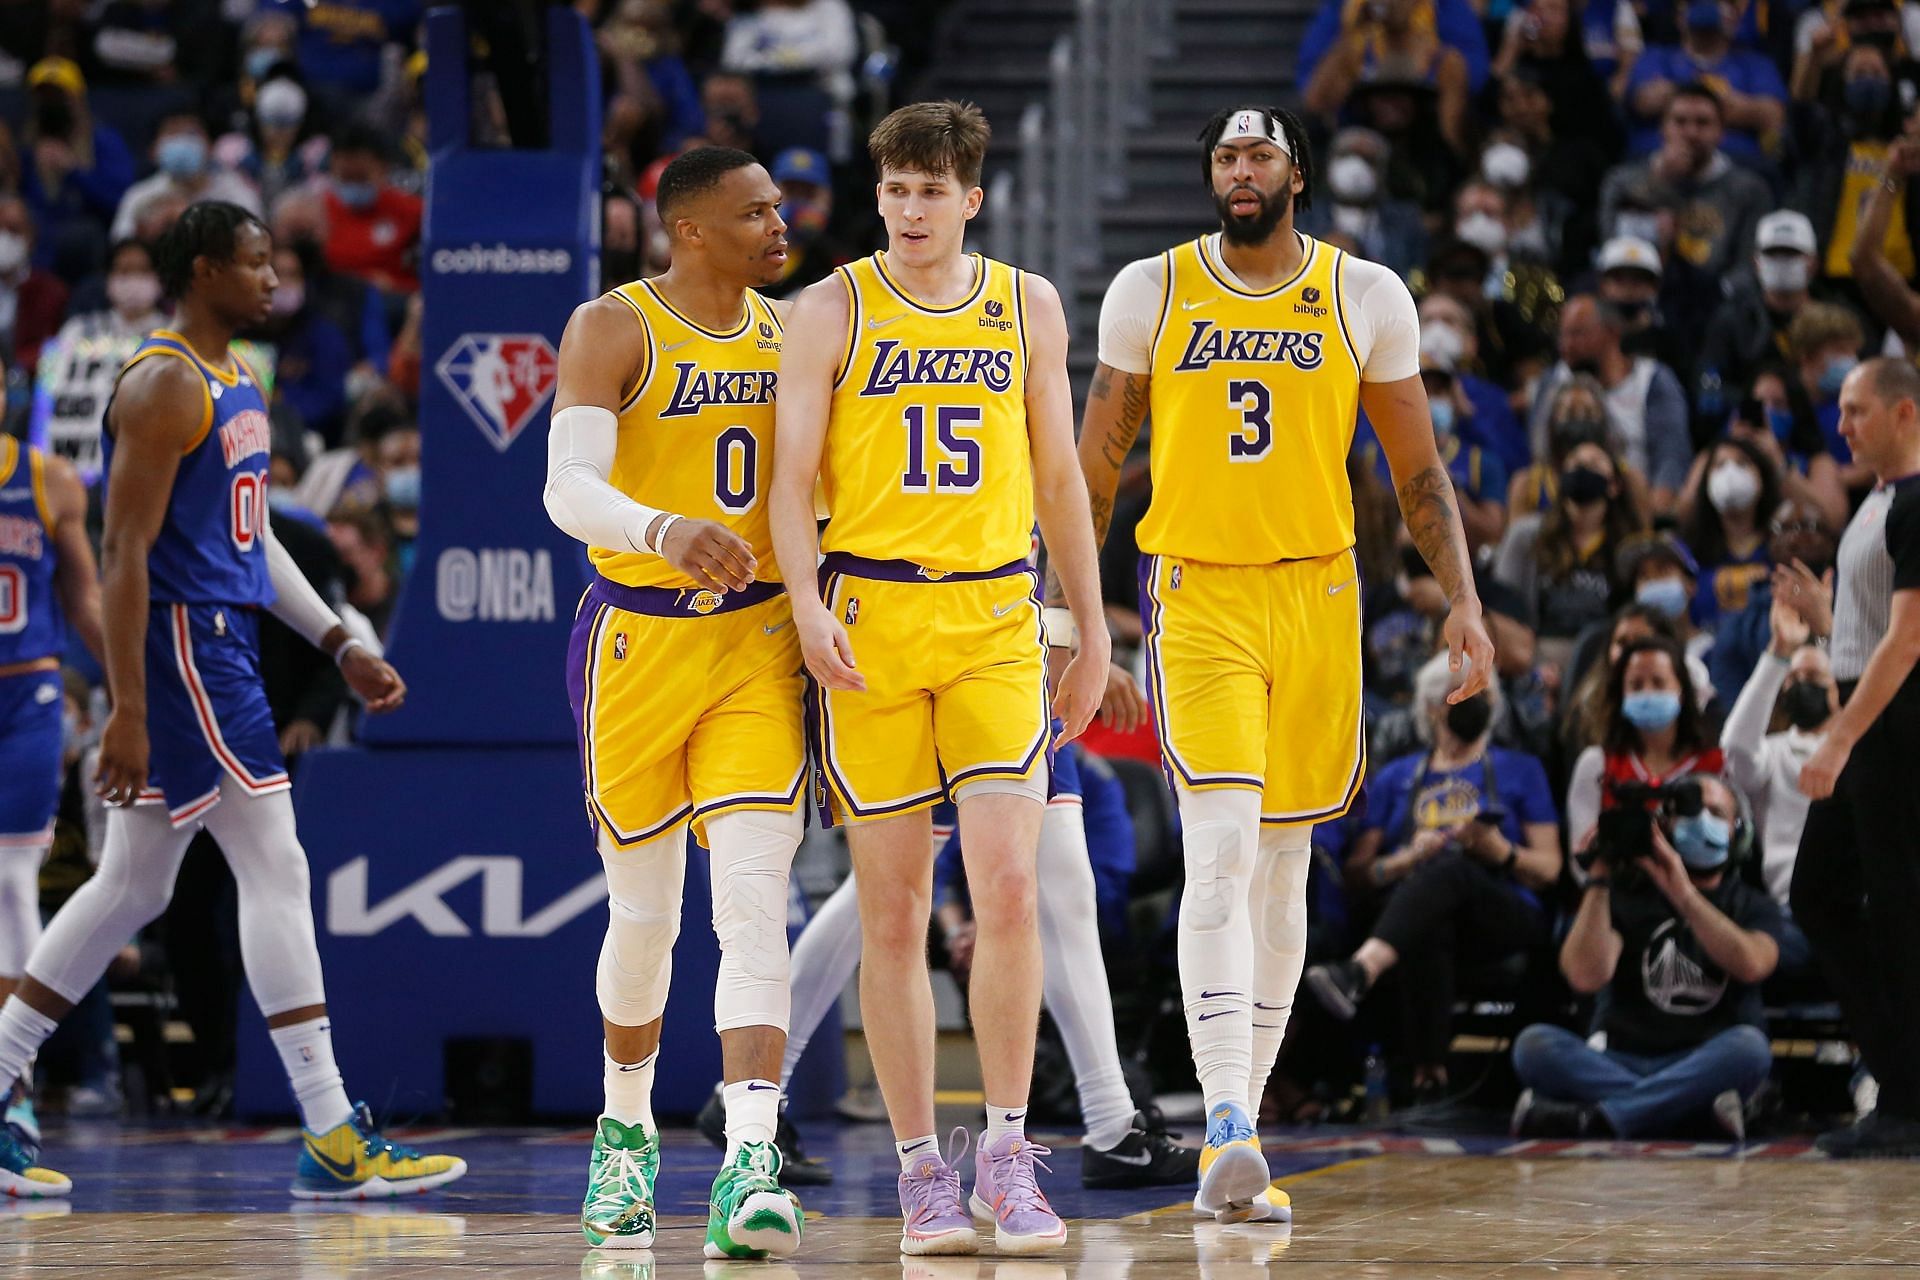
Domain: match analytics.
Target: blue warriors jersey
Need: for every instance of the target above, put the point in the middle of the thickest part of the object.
(209, 549)
(30, 623)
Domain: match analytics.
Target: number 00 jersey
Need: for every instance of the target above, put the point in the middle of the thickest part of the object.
(30, 623)
(696, 434)
(1253, 400)
(926, 454)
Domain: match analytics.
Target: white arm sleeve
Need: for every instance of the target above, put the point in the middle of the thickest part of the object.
(1743, 736)
(578, 497)
(295, 602)
(1130, 313)
(1383, 320)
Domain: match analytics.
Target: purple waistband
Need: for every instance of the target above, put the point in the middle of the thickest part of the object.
(907, 571)
(679, 602)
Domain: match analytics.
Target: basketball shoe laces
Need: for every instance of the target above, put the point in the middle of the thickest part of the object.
(370, 1134)
(1013, 1175)
(613, 1191)
(946, 1178)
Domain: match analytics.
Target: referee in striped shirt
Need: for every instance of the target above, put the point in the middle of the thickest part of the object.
(1856, 882)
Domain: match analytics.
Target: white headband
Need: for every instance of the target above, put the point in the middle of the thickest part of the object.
(1252, 124)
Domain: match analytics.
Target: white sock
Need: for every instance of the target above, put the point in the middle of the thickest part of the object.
(1074, 976)
(22, 1031)
(1221, 834)
(1279, 906)
(1004, 1121)
(629, 1089)
(913, 1150)
(306, 1051)
(825, 956)
(753, 1109)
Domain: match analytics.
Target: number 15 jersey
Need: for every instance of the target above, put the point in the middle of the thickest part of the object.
(927, 455)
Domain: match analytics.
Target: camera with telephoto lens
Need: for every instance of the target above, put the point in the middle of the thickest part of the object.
(1627, 815)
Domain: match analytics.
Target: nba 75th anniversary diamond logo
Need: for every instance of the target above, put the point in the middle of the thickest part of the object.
(500, 379)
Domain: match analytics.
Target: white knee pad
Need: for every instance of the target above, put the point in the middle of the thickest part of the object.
(752, 854)
(644, 886)
(1280, 888)
(1218, 833)
(20, 859)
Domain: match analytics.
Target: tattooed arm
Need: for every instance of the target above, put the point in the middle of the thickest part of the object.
(1116, 407)
(1398, 411)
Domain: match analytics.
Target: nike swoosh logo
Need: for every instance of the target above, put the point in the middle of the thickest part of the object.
(636, 1066)
(1334, 591)
(1000, 610)
(876, 322)
(916, 1146)
(1188, 304)
(672, 347)
(1209, 995)
(1144, 1158)
(774, 631)
(339, 1169)
(763, 1088)
(1217, 1014)
(1271, 1008)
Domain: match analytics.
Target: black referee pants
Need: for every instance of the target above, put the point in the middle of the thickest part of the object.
(1856, 893)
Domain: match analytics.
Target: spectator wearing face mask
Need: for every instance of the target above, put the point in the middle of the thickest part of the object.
(33, 303)
(342, 44)
(1798, 543)
(1749, 327)
(1825, 33)
(275, 150)
(1745, 85)
(1840, 144)
(1378, 226)
(1562, 563)
(1479, 478)
(1725, 512)
(806, 204)
(373, 228)
(1645, 404)
(1483, 216)
(1564, 161)
(1630, 283)
(74, 170)
(312, 357)
(1454, 855)
(1570, 56)
(1535, 212)
(1577, 415)
(1780, 424)
(183, 159)
(1393, 39)
(81, 364)
(1447, 332)
(1826, 339)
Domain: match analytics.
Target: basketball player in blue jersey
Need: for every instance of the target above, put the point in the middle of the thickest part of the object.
(47, 582)
(1253, 349)
(189, 561)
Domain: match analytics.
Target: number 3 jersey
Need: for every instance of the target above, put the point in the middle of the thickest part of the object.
(927, 457)
(209, 549)
(696, 432)
(1253, 399)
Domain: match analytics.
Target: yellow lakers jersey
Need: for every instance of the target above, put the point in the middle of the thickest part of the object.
(1253, 401)
(926, 454)
(696, 433)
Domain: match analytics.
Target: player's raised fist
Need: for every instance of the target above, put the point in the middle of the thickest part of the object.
(710, 553)
(373, 679)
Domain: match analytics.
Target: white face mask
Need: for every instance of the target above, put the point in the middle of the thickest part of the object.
(281, 103)
(1352, 180)
(1780, 274)
(1731, 487)
(1484, 232)
(1352, 220)
(1441, 341)
(1505, 165)
(13, 252)
(133, 293)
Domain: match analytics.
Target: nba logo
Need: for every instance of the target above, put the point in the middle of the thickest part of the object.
(1245, 126)
(1310, 294)
(619, 645)
(1173, 579)
(995, 307)
(853, 610)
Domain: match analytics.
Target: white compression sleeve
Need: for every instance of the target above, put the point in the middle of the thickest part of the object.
(752, 855)
(295, 602)
(1220, 835)
(580, 448)
(1279, 906)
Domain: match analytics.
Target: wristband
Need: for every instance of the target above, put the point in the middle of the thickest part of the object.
(659, 540)
(340, 654)
(1062, 632)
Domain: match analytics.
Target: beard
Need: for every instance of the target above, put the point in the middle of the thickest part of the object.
(1249, 229)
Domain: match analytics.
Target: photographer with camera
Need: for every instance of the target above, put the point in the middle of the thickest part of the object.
(1455, 854)
(1677, 946)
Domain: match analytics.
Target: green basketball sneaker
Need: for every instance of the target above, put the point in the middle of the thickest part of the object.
(749, 1214)
(618, 1213)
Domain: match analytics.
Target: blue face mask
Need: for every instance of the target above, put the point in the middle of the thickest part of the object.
(1702, 841)
(356, 195)
(182, 156)
(403, 488)
(1665, 596)
(1867, 96)
(1651, 708)
(1781, 423)
(1442, 411)
(261, 61)
(1834, 374)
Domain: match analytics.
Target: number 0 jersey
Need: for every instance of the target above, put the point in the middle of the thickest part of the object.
(1253, 403)
(696, 434)
(209, 549)
(30, 623)
(926, 455)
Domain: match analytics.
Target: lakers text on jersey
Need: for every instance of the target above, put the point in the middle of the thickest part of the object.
(1249, 588)
(32, 636)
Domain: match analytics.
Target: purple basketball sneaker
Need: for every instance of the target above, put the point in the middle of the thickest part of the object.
(1004, 1190)
(936, 1221)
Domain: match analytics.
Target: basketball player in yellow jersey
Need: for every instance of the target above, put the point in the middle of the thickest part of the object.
(685, 678)
(1253, 348)
(928, 388)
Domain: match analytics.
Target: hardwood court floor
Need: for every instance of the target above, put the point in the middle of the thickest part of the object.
(1377, 1216)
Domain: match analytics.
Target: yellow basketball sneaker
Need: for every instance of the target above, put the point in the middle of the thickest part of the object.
(1271, 1205)
(1232, 1170)
(351, 1161)
(20, 1177)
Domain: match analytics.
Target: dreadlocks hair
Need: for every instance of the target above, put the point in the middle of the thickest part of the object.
(1281, 121)
(694, 173)
(209, 229)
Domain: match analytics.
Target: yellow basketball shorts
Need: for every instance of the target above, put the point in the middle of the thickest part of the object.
(1254, 676)
(956, 685)
(689, 704)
